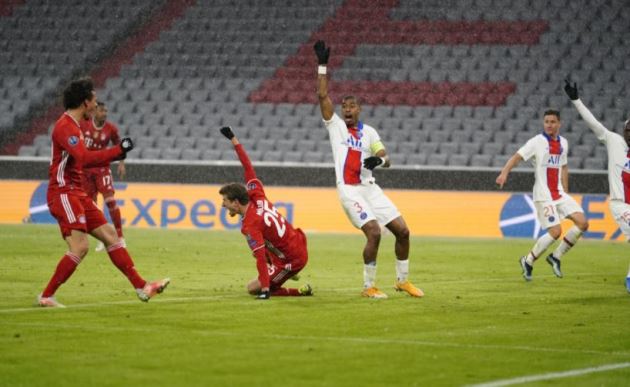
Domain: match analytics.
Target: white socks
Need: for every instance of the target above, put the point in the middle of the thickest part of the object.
(369, 274)
(402, 270)
(570, 239)
(541, 245)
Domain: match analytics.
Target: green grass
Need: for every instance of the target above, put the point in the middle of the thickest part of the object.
(479, 321)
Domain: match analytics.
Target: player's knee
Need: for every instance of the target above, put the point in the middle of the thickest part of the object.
(81, 249)
(555, 232)
(253, 288)
(583, 226)
(402, 234)
(373, 234)
(112, 204)
(372, 231)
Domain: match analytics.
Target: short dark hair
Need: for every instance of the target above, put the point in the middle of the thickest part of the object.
(77, 92)
(235, 191)
(354, 97)
(552, 112)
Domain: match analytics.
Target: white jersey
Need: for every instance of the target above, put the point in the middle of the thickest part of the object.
(350, 146)
(618, 156)
(548, 156)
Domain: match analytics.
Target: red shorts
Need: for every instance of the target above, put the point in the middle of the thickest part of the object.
(98, 180)
(75, 213)
(280, 270)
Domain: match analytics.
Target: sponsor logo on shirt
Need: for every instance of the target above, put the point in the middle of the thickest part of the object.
(354, 143)
(554, 160)
(73, 140)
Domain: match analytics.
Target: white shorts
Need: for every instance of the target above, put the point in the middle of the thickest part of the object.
(365, 202)
(551, 213)
(621, 213)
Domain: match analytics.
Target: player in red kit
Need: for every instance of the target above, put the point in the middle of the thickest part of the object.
(279, 249)
(73, 209)
(98, 133)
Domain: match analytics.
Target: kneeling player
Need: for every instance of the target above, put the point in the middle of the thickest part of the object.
(279, 249)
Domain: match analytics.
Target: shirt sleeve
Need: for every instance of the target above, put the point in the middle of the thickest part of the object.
(250, 174)
(528, 150)
(334, 120)
(596, 126)
(70, 141)
(256, 243)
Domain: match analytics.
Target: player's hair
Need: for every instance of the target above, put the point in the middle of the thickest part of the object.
(235, 191)
(77, 91)
(552, 112)
(353, 97)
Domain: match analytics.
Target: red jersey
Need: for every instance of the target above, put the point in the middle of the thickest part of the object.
(69, 156)
(99, 138)
(265, 228)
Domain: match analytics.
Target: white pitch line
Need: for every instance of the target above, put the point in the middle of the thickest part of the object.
(553, 375)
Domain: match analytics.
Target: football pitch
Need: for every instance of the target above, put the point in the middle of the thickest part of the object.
(479, 323)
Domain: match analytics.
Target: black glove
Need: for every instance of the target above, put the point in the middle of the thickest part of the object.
(372, 162)
(322, 52)
(571, 91)
(263, 295)
(126, 145)
(227, 132)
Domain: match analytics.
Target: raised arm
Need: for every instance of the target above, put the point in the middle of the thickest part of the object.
(325, 103)
(250, 174)
(596, 126)
(511, 163)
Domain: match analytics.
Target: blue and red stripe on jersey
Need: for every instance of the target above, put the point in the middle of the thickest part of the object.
(352, 165)
(553, 174)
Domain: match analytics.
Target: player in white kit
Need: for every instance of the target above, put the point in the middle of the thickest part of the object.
(548, 152)
(618, 148)
(357, 150)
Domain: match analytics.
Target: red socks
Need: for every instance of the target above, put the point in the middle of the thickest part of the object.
(114, 213)
(65, 268)
(285, 292)
(121, 259)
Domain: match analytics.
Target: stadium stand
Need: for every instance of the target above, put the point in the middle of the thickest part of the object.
(446, 83)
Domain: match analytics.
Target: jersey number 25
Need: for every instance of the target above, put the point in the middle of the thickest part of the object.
(271, 216)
